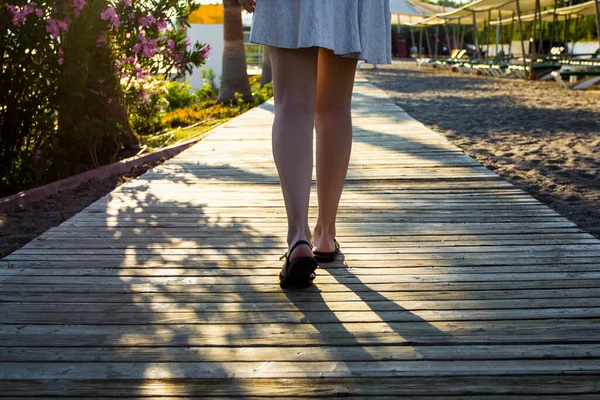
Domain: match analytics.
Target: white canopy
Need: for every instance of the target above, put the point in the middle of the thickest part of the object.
(578, 10)
(484, 10)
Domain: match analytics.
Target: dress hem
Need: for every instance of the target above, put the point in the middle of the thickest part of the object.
(348, 54)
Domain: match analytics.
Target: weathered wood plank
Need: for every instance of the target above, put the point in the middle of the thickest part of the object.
(502, 332)
(284, 369)
(300, 354)
(476, 386)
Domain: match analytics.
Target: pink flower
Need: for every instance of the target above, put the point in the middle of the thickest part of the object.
(187, 42)
(39, 12)
(171, 44)
(77, 6)
(55, 26)
(110, 14)
(162, 25)
(136, 48)
(131, 16)
(206, 52)
(147, 20)
(149, 48)
(126, 2)
(19, 14)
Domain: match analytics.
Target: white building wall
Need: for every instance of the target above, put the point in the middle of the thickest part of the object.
(212, 35)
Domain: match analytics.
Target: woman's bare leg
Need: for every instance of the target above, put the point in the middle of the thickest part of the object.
(294, 86)
(334, 140)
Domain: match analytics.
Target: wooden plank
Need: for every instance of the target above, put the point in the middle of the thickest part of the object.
(284, 369)
(300, 354)
(298, 317)
(551, 296)
(272, 286)
(158, 306)
(427, 333)
(314, 388)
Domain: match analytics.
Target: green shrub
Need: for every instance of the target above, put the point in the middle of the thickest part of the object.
(179, 96)
(208, 90)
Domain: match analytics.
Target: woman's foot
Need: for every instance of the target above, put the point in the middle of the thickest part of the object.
(324, 240)
(300, 251)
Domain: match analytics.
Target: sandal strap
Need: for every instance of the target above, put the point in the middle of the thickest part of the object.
(298, 243)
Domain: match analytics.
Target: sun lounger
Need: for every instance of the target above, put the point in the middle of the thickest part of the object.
(541, 70)
(579, 79)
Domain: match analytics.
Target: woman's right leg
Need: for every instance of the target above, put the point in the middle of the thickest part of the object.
(294, 87)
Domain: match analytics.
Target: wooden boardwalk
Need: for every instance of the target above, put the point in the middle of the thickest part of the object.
(452, 283)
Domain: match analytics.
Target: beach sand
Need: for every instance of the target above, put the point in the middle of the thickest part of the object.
(541, 137)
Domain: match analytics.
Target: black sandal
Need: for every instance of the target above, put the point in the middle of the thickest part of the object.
(329, 256)
(300, 272)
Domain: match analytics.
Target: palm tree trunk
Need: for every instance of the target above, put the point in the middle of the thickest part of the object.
(267, 73)
(235, 77)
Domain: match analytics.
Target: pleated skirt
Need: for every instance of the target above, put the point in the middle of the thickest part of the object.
(351, 28)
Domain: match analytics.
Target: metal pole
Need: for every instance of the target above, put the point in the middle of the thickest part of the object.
(412, 38)
(512, 31)
(498, 30)
(421, 42)
(437, 38)
(566, 33)
(476, 34)
(552, 26)
(487, 34)
(532, 31)
(520, 23)
(574, 37)
(532, 51)
(428, 43)
(541, 40)
(448, 38)
(597, 6)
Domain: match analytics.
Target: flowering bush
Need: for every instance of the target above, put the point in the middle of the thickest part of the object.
(72, 66)
(148, 102)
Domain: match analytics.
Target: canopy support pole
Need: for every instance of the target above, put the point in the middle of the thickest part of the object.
(541, 40)
(412, 38)
(487, 34)
(462, 31)
(532, 49)
(566, 33)
(512, 31)
(476, 35)
(428, 42)
(421, 42)
(437, 39)
(575, 30)
(597, 6)
(553, 26)
(498, 30)
(520, 23)
(448, 38)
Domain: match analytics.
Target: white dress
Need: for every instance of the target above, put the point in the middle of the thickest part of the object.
(352, 28)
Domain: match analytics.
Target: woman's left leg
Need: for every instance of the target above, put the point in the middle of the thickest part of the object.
(294, 86)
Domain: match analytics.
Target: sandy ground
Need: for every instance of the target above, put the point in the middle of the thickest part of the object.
(539, 136)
